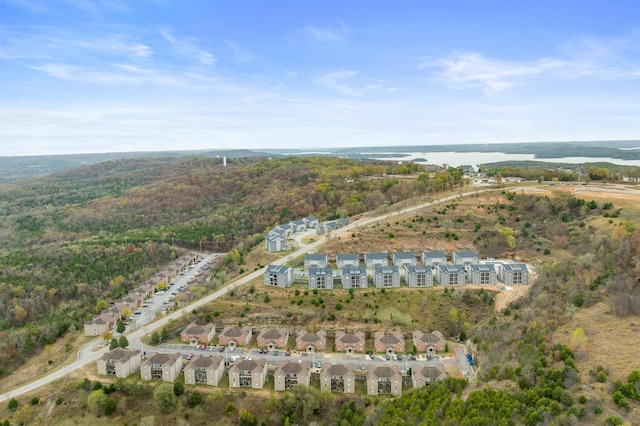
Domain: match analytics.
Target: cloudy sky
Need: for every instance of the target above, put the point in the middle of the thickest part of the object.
(137, 75)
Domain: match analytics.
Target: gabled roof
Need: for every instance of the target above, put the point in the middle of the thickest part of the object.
(429, 372)
(515, 267)
(120, 354)
(391, 339)
(452, 269)
(272, 334)
(434, 255)
(384, 371)
(198, 329)
(347, 256)
(378, 256)
(403, 255)
(249, 364)
(338, 369)
(354, 270)
(277, 269)
(293, 367)
(386, 270)
(465, 253)
(351, 338)
(158, 358)
(312, 337)
(482, 268)
(205, 362)
(235, 331)
(433, 337)
(314, 256)
(418, 269)
(320, 272)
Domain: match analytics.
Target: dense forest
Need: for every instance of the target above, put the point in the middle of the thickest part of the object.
(93, 233)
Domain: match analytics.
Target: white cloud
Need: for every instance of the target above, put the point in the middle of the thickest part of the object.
(473, 70)
(187, 47)
(338, 82)
(326, 34)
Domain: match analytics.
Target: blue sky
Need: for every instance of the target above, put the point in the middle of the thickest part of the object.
(82, 76)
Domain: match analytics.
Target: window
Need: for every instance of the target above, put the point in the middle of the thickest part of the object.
(421, 280)
(484, 278)
(200, 375)
(337, 383)
(517, 277)
(273, 279)
(384, 385)
(355, 281)
(156, 371)
(453, 279)
(321, 282)
(387, 280)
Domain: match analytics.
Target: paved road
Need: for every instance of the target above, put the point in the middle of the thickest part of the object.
(88, 355)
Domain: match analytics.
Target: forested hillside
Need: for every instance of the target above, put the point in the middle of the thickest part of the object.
(73, 238)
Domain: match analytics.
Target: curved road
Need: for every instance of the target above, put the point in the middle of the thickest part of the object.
(85, 357)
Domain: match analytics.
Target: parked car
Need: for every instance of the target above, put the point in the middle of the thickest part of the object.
(189, 357)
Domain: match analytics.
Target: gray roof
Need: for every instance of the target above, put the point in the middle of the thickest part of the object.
(158, 358)
(434, 254)
(466, 253)
(312, 256)
(347, 256)
(272, 334)
(404, 255)
(339, 370)
(452, 269)
(277, 269)
(351, 338)
(354, 270)
(482, 268)
(384, 372)
(389, 339)
(249, 364)
(320, 272)
(205, 362)
(293, 367)
(515, 267)
(418, 269)
(235, 332)
(120, 354)
(386, 270)
(376, 256)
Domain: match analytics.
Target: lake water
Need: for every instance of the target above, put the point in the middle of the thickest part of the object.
(456, 159)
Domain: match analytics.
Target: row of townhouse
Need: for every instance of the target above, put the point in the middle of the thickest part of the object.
(399, 259)
(106, 320)
(253, 373)
(391, 277)
(276, 239)
(311, 341)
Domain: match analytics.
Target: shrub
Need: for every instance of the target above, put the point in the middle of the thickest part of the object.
(178, 388)
(35, 400)
(110, 407)
(230, 409)
(194, 398)
(13, 404)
